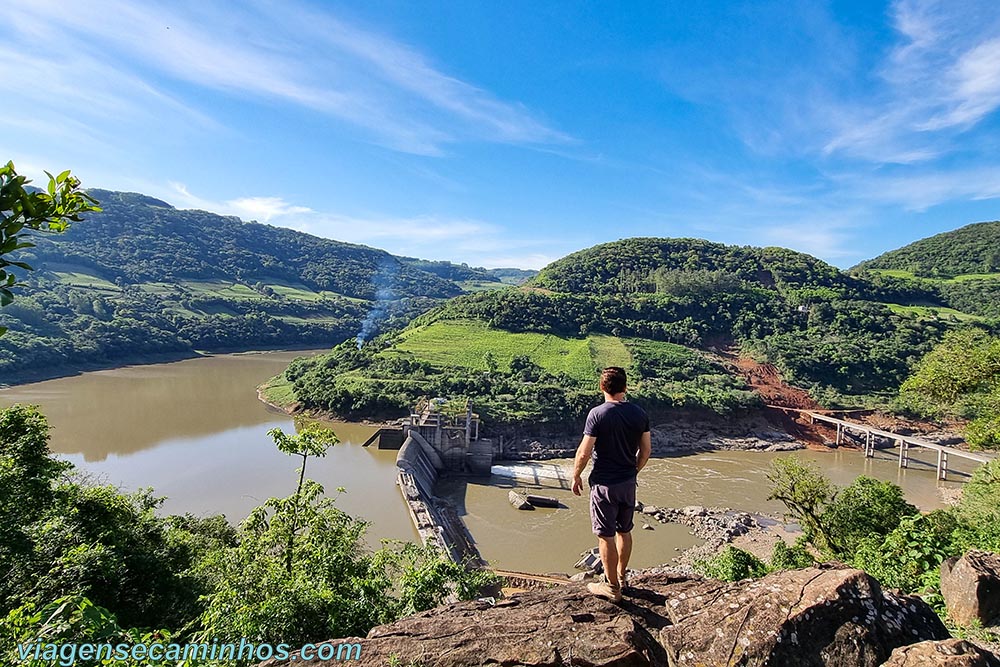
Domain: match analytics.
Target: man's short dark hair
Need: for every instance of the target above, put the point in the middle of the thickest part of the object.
(613, 380)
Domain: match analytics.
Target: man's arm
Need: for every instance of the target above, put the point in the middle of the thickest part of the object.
(645, 450)
(583, 453)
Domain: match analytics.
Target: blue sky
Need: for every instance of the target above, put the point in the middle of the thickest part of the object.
(512, 133)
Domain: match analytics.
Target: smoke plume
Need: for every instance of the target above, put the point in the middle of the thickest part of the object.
(383, 281)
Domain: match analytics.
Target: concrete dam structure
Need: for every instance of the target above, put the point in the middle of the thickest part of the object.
(434, 443)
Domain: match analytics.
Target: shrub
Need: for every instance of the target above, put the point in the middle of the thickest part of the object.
(795, 557)
(732, 564)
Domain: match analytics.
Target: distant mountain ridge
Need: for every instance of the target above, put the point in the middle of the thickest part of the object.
(143, 278)
(139, 238)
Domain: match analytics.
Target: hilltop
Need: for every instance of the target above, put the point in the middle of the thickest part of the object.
(676, 312)
(142, 279)
(957, 270)
(970, 250)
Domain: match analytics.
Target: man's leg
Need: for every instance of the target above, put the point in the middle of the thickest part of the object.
(602, 515)
(623, 544)
(609, 559)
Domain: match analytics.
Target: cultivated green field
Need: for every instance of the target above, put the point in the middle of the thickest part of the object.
(609, 351)
(927, 312)
(899, 273)
(86, 280)
(465, 343)
(480, 285)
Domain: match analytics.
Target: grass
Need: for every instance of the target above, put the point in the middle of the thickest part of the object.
(278, 391)
(609, 351)
(900, 273)
(928, 312)
(464, 343)
(480, 285)
(86, 280)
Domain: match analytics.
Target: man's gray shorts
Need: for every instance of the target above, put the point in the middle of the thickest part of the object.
(612, 507)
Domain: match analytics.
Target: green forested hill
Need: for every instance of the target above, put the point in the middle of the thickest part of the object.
(665, 308)
(143, 278)
(958, 269)
(647, 264)
(973, 250)
(140, 239)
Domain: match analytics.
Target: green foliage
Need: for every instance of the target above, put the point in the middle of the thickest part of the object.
(960, 377)
(82, 562)
(910, 556)
(732, 564)
(805, 492)
(311, 440)
(23, 210)
(72, 620)
(870, 526)
(794, 557)
(62, 537)
(979, 508)
(142, 278)
(855, 348)
(254, 595)
(866, 507)
(512, 377)
(335, 589)
(969, 250)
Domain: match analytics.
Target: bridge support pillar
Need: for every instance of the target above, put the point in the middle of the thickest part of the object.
(904, 453)
(840, 434)
(942, 465)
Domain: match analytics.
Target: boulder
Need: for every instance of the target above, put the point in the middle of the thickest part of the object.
(947, 653)
(971, 587)
(816, 616)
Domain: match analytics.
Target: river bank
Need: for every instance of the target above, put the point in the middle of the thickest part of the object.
(686, 435)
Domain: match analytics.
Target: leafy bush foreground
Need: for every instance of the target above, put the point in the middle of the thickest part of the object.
(88, 563)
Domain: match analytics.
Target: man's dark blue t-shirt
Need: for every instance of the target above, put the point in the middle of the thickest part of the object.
(618, 428)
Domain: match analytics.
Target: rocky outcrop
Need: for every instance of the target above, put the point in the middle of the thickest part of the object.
(799, 617)
(947, 653)
(818, 616)
(971, 587)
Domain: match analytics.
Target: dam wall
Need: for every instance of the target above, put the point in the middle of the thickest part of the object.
(436, 520)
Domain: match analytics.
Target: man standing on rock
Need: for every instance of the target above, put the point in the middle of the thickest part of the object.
(617, 438)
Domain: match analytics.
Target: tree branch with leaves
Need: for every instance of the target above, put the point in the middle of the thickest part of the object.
(311, 440)
(23, 210)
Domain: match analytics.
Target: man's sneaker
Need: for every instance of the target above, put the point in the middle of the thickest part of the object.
(606, 590)
(623, 578)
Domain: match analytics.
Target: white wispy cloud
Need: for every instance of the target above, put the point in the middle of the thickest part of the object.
(274, 52)
(919, 192)
(940, 80)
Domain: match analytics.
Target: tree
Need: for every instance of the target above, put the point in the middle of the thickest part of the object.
(960, 376)
(312, 440)
(866, 507)
(22, 209)
(805, 492)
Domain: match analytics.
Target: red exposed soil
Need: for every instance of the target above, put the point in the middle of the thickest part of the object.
(766, 381)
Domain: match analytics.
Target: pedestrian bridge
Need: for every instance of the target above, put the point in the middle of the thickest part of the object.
(903, 442)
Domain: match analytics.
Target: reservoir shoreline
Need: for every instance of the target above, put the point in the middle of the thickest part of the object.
(19, 378)
(196, 432)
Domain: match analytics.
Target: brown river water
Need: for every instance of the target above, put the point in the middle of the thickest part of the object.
(195, 432)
